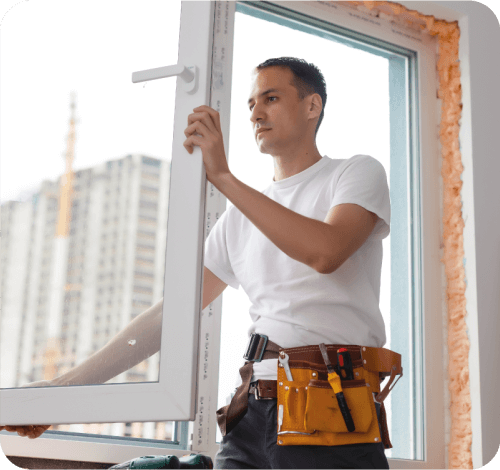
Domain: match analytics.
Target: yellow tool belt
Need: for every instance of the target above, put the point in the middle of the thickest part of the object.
(308, 407)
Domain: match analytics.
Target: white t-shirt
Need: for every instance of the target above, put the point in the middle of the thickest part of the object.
(291, 303)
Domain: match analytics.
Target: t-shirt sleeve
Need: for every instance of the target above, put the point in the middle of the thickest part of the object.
(216, 251)
(363, 181)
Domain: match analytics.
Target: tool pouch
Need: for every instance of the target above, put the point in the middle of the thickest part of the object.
(308, 409)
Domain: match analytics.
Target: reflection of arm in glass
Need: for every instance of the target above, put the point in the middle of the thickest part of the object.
(118, 355)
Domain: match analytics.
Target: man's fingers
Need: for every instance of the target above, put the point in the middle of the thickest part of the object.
(40, 429)
(31, 431)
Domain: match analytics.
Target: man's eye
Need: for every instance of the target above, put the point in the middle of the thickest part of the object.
(269, 97)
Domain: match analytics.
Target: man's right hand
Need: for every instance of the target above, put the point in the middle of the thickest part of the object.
(31, 431)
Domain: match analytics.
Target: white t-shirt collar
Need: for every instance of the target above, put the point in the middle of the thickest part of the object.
(302, 176)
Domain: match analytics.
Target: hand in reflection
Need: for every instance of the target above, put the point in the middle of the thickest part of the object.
(31, 431)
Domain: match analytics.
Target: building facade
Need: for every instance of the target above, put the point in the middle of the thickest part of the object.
(64, 297)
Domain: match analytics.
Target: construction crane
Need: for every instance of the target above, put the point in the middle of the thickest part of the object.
(66, 186)
(52, 356)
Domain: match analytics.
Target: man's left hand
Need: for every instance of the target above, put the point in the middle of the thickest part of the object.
(205, 121)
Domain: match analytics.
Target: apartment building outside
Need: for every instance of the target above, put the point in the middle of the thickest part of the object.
(111, 268)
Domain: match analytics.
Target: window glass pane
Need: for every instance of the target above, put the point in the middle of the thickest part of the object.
(83, 225)
(356, 121)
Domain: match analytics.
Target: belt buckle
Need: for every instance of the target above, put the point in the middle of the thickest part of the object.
(253, 344)
(256, 392)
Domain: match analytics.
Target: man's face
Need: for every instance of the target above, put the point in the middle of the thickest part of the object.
(280, 111)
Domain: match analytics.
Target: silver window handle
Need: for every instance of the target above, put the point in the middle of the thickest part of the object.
(187, 73)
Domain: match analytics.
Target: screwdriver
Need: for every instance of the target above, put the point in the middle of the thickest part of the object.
(334, 380)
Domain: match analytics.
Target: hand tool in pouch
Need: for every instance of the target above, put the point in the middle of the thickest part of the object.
(334, 380)
(283, 359)
(344, 364)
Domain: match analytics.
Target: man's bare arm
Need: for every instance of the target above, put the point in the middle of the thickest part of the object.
(303, 239)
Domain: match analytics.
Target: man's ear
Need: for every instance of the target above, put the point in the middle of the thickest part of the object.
(316, 103)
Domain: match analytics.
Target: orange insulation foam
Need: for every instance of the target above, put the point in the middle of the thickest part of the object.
(450, 93)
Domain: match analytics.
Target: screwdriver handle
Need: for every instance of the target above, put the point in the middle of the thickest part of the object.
(344, 364)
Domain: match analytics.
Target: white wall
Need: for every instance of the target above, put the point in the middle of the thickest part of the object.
(480, 72)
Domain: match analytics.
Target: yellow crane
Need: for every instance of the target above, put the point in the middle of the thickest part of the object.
(66, 186)
(52, 357)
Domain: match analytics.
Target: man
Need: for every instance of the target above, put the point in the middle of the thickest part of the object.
(307, 250)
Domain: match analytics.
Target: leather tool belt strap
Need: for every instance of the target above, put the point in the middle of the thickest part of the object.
(371, 366)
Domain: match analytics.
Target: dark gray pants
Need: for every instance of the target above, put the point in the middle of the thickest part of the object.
(252, 444)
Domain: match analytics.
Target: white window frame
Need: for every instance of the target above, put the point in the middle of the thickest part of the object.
(432, 275)
(173, 397)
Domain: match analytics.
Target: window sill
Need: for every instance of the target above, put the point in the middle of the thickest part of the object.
(29, 462)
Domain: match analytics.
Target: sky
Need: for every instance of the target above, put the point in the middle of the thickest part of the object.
(50, 48)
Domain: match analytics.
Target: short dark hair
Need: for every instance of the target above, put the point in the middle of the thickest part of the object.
(307, 78)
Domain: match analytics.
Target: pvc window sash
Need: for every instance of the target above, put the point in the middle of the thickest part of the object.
(173, 396)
